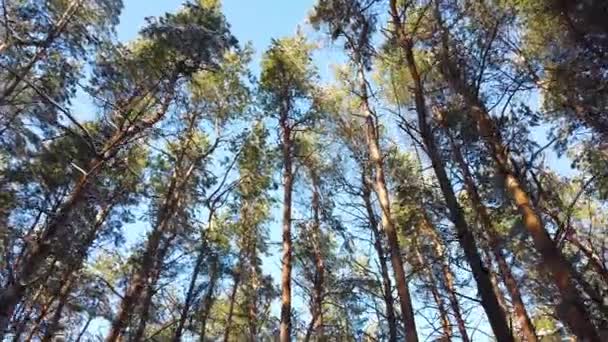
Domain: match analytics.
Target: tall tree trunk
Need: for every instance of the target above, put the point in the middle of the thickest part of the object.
(495, 314)
(572, 308)
(422, 266)
(386, 280)
(285, 328)
(380, 187)
(235, 288)
(39, 251)
(447, 276)
(489, 232)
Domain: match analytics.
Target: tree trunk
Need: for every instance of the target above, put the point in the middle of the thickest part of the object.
(285, 328)
(490, 234)
(489, 301)
(235, 288)
(386, 280)
(139, 279)
(54, 323)
(448, 276)
(208, 299)
(39, 251)
(317, 316)
(146, 296)
(572, 308)
(380, 188)
(252, 312)
(426, 271)
(181, 323)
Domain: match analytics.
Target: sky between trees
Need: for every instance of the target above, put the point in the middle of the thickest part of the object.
(336, 170)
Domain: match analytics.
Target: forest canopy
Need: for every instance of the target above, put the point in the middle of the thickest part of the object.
(445, 181)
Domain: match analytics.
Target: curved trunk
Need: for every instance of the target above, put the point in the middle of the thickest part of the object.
(42, 247)
(317, 321)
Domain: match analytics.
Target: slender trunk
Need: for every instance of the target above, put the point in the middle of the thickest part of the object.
(489, 301)
(427, 272)
(487, 259)
(144, 312)
(146, 297)
(380, 188)
(572, 308)
(37, 325)
(285, 328)
(317, 321)
(167, 212)
(136, 286)
(448, 277)
(84, 328)
(591, 255)
(177, 337)
(39, 251)
(54, 323)
(235, 288)
(209, 297)
(490, 234)
(386, 280)
(252, 312)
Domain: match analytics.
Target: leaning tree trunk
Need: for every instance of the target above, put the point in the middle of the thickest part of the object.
(423, 266)
(146, 296)
(381, 190)
(208, 299)
(572, 309)
(447, 276)
(319, 277)
(495, 314)
(386, 280)
(512, 285)
(145, 269)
